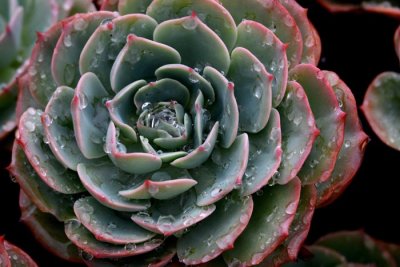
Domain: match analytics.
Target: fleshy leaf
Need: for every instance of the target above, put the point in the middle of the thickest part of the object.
(264, 156)
(139, 59)
(160, 257)
(58, 128)
(83, 239)
(311, 40)
(389, 7)
(41, 82)
(46, 199)
(10, 39)
(397, 42)
(356, 246)
(252, 90)
(272, 15)
(216, 17)
(352, 151)
(298, 131)
(199, 155)
(218, 176)
(188, 77)
(263, 43)
(381, 108)
(173, 215)
(104, 181)
(90, 115)
(162, 90)
(50, 170)
(165, 183)
(329, 119)
(16, 255)
(130, 7)
(75, 34)
(208, 239)
(298, 231)
(274, 211)
(322, 256)
(197, 44)
(47, 230)
(104, 45)
(225, 109)
(122, 112)
(106, 225)
(131, 162)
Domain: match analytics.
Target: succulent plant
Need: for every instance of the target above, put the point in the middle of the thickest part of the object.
(387, 7)
(380, 105)
(350, 248)
(181, 127)
(11, 255)
(20, 20)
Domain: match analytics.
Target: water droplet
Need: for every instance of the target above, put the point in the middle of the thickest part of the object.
(32, 71)
(193, 78)
(291, 208)
(106, 148)
(257, 91)
(190, 23)
(130, 246)
(244, 218)
(347, 143)
(215, 192)
(82, 100)
(309, 42)
(257, 67)
(297, 119)
(146, 106)
(47, 119)
(87, 256)
(313, 163)
(29, 126)
(269, 40)
(100, 47)
(67, 40)
(289, 21)
(40, 57)
(80, 24)
(166, 221)
(121, 147)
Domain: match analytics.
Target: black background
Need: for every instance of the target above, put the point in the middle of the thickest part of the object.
(357, 47)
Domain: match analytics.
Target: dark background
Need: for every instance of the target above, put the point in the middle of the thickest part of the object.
(357, 47)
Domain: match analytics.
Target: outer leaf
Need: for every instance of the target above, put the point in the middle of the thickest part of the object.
(352, 151)
(47, 230)
(298, 230)
(357, 247)
(50, 170)
(274, 211)
(381, 108)
(330, 121)
(217, 233)
(274, 16)
(298, 131)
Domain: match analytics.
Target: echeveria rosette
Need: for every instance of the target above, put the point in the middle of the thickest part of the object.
(20, 23)
(386, 7)
(11, 255)
(349, 248)
(181, 128)
(381, 104)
